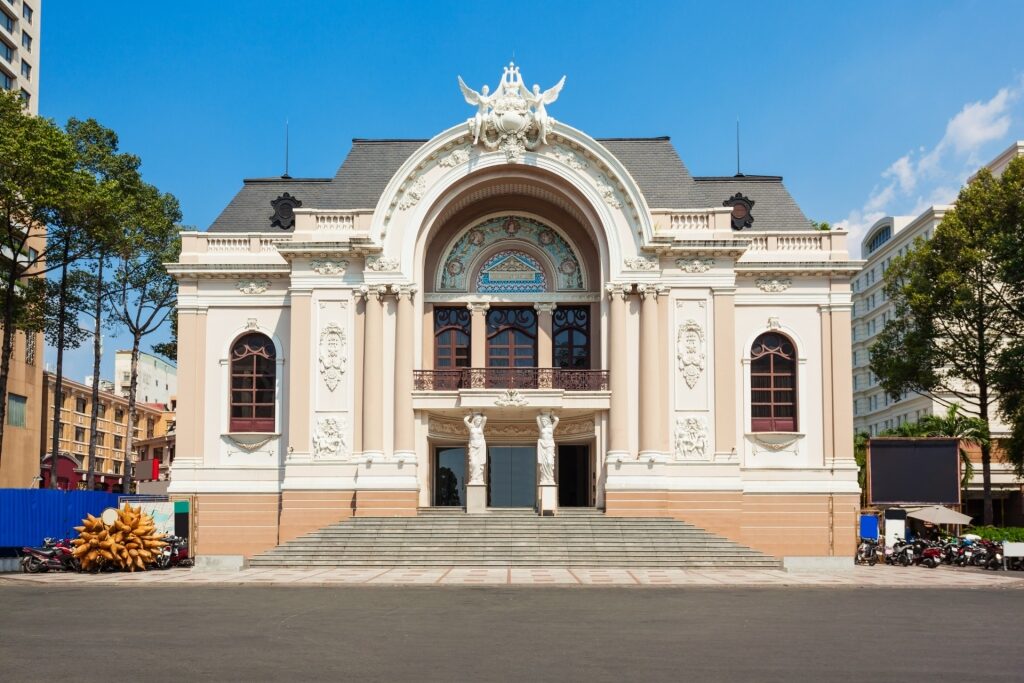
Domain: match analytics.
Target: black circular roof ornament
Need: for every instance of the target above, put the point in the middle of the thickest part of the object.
(741, 211)
(284, 211)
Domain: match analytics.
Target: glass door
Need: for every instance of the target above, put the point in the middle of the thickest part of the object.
(450, 477)
(512, 476)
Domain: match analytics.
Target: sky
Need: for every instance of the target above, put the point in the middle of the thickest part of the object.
(866, 109)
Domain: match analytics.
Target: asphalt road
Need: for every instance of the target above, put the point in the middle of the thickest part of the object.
(508, 633)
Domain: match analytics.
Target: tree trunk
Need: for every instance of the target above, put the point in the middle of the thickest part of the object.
(129, 439)
(986, 460)
(97, 357)
(58, 382)
(7, 350)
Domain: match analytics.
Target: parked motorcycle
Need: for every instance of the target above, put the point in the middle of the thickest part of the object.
(868, 551)
(926, 553)
(174, 553)
(55, 555)
(902, 553)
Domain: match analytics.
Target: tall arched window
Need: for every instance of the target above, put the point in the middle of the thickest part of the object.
(451, 337)
(571, 347)
(773, 399)
(253, 384)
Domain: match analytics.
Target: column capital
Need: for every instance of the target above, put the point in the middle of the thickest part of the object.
(617, 289)
(408, 290)
(478, 306)
(366, 291)
(545, 306)
(646, 290)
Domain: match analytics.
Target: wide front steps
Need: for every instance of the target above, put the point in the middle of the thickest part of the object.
(573, 538)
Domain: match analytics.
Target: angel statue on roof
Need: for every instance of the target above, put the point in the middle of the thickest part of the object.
(538, 100)
(482, 101)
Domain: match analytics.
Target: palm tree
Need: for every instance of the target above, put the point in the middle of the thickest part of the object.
(955, 425)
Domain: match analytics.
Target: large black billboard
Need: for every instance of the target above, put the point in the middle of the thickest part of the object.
(914, 471)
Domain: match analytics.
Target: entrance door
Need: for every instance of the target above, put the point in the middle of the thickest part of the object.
(573, 476)
(511, 348)
(512, 476)
(450, 477)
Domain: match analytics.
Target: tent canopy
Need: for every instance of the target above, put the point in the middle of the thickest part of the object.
(937, 514)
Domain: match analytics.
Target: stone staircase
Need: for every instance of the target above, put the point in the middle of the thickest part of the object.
(574, 538)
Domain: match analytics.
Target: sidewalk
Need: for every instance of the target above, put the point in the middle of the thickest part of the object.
(880, 576)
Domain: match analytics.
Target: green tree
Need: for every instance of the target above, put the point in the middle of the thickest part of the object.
(38, 180)
(951, 322)
(860, 455)
(143, 291)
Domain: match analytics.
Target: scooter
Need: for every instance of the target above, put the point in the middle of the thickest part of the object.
(174, 553)
(55, 555)
(868, 551)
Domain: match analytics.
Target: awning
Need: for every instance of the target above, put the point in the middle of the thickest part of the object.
(937, 514)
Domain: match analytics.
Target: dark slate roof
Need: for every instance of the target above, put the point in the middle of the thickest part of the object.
(774, 208)
(653, 162)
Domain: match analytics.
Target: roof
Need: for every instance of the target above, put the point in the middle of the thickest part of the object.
(653, 163)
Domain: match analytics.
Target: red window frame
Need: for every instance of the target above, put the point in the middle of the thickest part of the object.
(452, 337)
(253, 384)
(773, 386)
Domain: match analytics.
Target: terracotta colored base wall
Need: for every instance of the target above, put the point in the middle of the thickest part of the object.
(386, 503)
(778, 524)
(306, 511)
(235, 523)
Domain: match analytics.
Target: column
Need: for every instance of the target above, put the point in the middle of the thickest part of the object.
(726, 362)
(405, 442)
(478, 335)
(373, 365)
(300, 372)
(842, 384)
(650, 381)
(666, 370)
(545, 340)
(618, 417)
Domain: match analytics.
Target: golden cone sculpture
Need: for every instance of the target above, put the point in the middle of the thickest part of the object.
(130, 543)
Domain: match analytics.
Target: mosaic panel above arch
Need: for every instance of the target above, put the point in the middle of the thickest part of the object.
(459, 260)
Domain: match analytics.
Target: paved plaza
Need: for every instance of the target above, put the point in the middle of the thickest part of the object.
(498, 633)
(879, 576)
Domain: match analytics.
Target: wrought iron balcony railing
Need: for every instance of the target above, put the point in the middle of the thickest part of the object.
(510, 378)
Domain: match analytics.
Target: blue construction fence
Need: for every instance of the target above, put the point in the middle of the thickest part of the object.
(27, 516)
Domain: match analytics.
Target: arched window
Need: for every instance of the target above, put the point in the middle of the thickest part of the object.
(253, 384)
(451, 337)
(773, 398)
(571, 347)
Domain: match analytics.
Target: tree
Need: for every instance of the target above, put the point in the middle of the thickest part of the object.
(144, 292)
(951, 321)
(38, 177)
(860, 455)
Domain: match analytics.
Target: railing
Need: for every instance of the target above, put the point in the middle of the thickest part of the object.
(510, 378)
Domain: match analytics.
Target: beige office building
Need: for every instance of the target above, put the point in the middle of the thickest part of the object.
(20, 22)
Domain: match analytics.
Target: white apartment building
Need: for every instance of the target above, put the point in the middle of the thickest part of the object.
(158, 379)
(19, 49)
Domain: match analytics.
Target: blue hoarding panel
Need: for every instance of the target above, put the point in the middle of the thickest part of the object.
(869, 526)
(27, 516)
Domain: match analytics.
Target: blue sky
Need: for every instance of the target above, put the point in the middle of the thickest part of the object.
(865, 108)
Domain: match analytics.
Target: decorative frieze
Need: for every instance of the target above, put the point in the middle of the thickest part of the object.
(457, 156)
(607, 192)
(696, 265)
(381, 264)
(329, 438)
(252, 286)
(413, 193)
(691, 438)
(570, 158)
(333, 356)
(640, 263)
(511, 398)
(330, 267)
(773, 284)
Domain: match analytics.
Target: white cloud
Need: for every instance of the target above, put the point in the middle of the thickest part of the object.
(924, 177)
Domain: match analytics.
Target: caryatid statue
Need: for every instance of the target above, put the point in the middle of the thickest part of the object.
(477, 459)
(546, 423)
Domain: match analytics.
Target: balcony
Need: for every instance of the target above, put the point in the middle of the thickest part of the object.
(510, 378)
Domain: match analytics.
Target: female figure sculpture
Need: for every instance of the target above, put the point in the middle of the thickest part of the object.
(546, 423)
(477, 447)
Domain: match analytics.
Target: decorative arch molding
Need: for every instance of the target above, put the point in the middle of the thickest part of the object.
(604, 190)
(461, 262)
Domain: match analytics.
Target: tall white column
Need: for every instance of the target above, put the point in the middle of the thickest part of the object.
(618, 358)
(405, 441)
(650, 382)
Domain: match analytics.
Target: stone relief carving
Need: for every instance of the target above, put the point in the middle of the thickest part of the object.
(691, 438)
(381, 264)
(330, 267)
(457, 156)
(477, 449)
(774, 324)
(570, 159)
(251, 446)
(607, 192)
(511, 399)
(690, 356)
(512, 118)
(696, 265)
(252, 324)
(773, 285)
(329, 438)
(775, 444)
(546, 424)
(333, 359)
(446, 428)
(640, 263)
(413, 193)
(252, 286)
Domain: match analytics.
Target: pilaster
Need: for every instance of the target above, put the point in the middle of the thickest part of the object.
(650, 383)
(618, 358)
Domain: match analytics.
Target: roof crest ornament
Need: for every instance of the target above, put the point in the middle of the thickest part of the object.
(512, 118)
